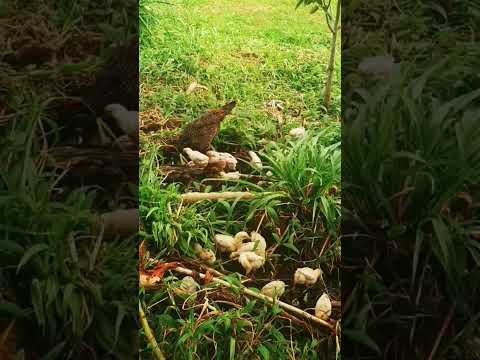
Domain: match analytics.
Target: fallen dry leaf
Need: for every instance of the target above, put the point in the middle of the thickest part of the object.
(193, 86)
(208, 277)
(160, 269)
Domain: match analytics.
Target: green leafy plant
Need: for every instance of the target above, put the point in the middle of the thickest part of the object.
(408, 155)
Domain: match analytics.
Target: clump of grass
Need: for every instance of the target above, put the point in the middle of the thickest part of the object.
(309, 172)
(409, 154)
(66, 287)
(148, 18)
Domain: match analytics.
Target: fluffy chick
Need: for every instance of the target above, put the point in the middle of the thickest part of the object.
(228, 243)
(274, 288)
(298, 133)
(306, 276)
(187, 286)
(250, 261)
(230, 175)
(255, 160)
(231, 162)
(196, 157)
(126, 120)
(206, 255)
(257, 244)
(216, 165)
(323, 307)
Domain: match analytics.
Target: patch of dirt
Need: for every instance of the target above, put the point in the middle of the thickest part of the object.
(146, 90)
(249, 56)
(80, 44)
(203, 62)
(32, 38)
(152, 120)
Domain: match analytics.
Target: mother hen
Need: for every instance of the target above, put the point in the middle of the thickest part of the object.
(198, 135)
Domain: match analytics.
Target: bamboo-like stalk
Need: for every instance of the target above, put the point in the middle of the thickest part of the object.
(150, 283)
(227, 195)
(331, 60)
(148, 333)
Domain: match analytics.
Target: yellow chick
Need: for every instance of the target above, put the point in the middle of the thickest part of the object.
(126, 120)
(206, 255)
(257, 245)
(255, 236)
(255, 160)
(298, 133)
(231, 162)
(187, 287)
(323, 307)
(250, 261)
(306, 276)
(228, 243)
(196, 157)
(274, 289)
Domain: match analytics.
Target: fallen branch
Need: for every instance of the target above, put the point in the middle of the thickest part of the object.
(199, 196)
(251, 178)
(149, 335)
(180, 173)
(95, 160)
(151, 283)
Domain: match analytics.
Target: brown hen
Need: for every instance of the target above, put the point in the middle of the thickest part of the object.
(115, 83)
(198, 135)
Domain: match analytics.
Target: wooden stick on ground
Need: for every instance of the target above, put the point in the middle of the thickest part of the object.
(149, 335)
(228, 195)
(149, 283)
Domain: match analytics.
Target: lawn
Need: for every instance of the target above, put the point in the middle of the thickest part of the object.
(252, 52)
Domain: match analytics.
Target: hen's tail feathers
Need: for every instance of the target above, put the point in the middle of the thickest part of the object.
(229, 107)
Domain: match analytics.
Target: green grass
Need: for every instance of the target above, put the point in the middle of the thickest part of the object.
(410, 162)
(252, 52)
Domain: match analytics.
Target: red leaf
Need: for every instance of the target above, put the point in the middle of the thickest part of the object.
(160, 269)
